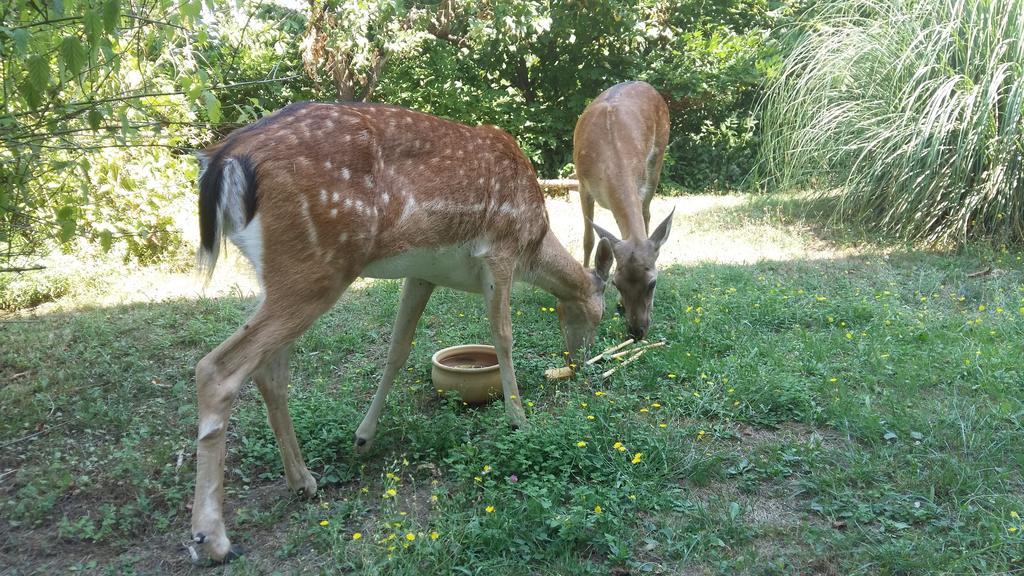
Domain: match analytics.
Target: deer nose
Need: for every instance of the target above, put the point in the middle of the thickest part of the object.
(637, 332)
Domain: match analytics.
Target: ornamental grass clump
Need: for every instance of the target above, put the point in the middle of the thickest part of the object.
(908, 114)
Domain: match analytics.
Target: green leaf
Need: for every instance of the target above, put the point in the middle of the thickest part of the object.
(67, 222)
(106, 240)
(111, 15)
(191, 9)
(20, 37)
(38, 72)
(32, 96)
(212, 106)
(95, 118)
(93, 26)
(73, 54)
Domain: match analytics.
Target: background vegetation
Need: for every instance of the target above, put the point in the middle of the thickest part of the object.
(103, 100)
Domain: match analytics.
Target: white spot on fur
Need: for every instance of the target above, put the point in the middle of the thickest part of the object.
(384, 198)
(368, 180)
(408, 208)
(346, 174)
(343, 237)
(327, 164)
(348, 203)
(335, 196)
(310, 226)
(323, 197)
(334, 212)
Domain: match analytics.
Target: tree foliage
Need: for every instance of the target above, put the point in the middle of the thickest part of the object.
(531, 67)
(104, 99)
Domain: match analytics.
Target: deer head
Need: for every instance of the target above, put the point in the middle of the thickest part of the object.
(636, 275)
(579, 317)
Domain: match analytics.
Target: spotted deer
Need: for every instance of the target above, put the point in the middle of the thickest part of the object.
(618, 148)
(317, 195)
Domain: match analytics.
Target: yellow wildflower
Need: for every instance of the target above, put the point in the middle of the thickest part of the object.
(325, 522)
(434, 535)
(489, 509)
(357, 535)
(581, 444)
(410, 536)
(637, 457)
(618, 446)
(598, 509)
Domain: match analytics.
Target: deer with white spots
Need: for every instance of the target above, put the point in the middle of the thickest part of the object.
(618, 148)
(317, 195)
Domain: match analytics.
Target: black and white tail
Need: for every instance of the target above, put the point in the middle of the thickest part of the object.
(227, 206)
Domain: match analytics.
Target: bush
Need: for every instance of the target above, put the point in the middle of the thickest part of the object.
(909, 112)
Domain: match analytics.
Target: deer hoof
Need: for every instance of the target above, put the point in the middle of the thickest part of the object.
(234, 553)
(306, 488)
(363, 444)
(213, 550)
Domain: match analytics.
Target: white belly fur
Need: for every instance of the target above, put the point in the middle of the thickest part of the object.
(460, 266)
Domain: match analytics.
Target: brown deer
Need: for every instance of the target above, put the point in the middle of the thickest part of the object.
(317, 195)
(618, 148)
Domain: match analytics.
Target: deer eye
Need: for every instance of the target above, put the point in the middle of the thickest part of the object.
(650, 287)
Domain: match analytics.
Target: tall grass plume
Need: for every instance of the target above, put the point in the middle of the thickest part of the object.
(909, 113)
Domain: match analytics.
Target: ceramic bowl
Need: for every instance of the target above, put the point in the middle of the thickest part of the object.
(469, 369)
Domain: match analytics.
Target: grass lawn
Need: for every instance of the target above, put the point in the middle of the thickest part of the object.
(825, 405)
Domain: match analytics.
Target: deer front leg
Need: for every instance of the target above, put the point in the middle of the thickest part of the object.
(415, 295)
(587, 202)
(497, 290)
(272, 381)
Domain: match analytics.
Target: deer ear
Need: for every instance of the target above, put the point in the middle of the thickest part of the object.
(661, 232)
(603, 258)
(604, 234)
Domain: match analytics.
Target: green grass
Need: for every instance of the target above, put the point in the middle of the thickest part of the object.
(844, 416)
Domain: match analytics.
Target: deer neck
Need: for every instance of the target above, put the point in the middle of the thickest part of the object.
(556, 272)
(629, 218)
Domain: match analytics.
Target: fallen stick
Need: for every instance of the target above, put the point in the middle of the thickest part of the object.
(631, 350)
(615, 348)
(611, 371)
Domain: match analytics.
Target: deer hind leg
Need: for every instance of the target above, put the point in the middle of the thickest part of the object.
(415, 295)
(587, 202)
(219, 375)
(497, 287)
(272, 381)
